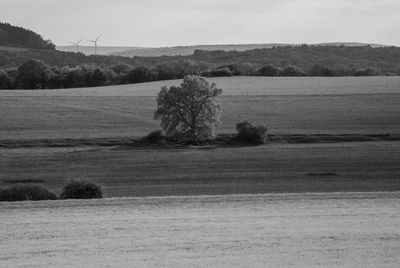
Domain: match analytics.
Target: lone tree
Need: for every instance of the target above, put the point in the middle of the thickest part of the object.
(189, 110)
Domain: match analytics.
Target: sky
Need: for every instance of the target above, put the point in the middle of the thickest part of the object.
(160, 23)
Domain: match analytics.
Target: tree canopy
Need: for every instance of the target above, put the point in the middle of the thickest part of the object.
(20, 37)
(191, 109)
(33, 74)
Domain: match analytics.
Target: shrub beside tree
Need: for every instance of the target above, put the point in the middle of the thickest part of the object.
(248, 133)
(155, 137)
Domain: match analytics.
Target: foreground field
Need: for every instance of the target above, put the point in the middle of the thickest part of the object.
(286, 105)
(273, 168)
(291, 230)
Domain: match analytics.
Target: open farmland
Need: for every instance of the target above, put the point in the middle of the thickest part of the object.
(285, 105)
(328, 204)
(290, 230)
(272, 168)
(306, 105)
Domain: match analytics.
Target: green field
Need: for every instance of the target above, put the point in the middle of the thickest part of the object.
(284, 105)
(234, 86)
(272, 168)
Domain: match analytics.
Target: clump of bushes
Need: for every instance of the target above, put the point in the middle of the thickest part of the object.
(251, 134)
(74, 190)
(155, 137)
(81, 189)
(26, 193)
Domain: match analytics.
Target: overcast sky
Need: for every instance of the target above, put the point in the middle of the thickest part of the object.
(190, 22)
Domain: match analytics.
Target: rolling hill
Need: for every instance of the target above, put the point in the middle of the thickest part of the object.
(19, 37)
(115, 65)
(189, 50)
(101, 50)
(126, 51)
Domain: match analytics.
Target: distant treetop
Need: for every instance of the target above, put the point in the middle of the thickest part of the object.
(20, 37)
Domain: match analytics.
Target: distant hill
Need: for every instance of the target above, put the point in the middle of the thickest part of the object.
(101, 50)
(386, 60)
(14, 36)
(22, 51)
(189, 50)
(58, 69)
(351, 44)
(8, 48)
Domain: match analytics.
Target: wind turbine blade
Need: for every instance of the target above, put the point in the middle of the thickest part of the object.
(80, 41)
(98, 37)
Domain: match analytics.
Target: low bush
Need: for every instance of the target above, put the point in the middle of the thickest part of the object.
(81, 189)
(25, 193)
(155, 137)
(251, 134)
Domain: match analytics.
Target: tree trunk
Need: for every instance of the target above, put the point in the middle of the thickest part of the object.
(193, 129)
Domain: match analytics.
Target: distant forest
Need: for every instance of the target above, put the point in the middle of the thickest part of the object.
(15, 36)
(34, 69)
(45, 67)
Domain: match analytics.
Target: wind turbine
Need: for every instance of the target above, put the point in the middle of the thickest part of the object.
(77, 44)
(95, 43)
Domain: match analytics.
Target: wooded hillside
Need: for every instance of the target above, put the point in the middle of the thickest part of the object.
(20, 37)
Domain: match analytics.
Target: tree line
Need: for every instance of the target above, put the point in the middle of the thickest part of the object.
(385, 60)
(36, 74)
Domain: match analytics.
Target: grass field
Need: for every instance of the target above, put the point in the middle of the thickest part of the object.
(273, 168)
(306, 105)
(311, 216)
(72, 117)
(299, 230)
(234, 86)
(286, 105)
